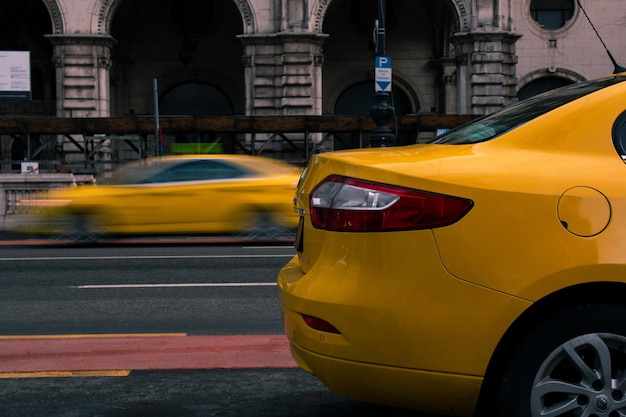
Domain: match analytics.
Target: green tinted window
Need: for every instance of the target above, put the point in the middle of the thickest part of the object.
(201, 170)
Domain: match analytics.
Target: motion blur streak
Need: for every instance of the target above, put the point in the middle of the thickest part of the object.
(67, 374)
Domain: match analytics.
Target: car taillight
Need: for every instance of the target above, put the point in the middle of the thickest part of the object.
(319, 324)
(351, 205)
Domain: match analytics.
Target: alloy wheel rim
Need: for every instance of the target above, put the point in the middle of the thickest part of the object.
(583, 377)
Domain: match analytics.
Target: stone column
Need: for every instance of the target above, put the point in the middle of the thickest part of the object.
(462, 85)
(283, 77)
(449, 83)
(83, 65)
(283, 73)
(491, 74)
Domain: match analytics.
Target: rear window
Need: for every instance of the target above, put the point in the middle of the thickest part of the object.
(495, 124)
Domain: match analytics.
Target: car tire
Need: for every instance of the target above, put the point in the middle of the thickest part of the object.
(262, 225)
(84, 228)
(572, 364)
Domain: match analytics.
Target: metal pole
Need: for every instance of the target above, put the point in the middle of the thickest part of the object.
(381, 44)
(157, 127)
(382, 111)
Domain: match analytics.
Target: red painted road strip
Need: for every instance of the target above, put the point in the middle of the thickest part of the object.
(147, 241)
(143, 353)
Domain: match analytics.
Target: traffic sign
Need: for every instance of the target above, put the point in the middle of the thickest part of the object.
(383, 73)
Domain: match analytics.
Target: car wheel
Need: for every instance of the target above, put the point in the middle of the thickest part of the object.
(572, 365)
(261, 225)
(83, 228)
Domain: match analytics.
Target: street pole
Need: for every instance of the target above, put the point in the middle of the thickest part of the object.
(382, 111)
(157, 126)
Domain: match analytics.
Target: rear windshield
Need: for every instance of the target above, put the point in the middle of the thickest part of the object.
(495, 124)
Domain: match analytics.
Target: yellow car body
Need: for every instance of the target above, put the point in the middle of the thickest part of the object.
(445, 318)
(189, 194)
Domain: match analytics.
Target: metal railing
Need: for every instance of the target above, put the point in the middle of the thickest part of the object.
(17, 188)
(94, 145)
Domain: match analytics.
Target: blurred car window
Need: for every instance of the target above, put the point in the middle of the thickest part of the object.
(196, 171)
(151, 171)
(138, 171)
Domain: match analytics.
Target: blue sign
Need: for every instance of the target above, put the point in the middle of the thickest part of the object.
(383, 73)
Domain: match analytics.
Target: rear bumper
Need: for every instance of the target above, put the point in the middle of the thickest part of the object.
(410, 334)
(448, 394)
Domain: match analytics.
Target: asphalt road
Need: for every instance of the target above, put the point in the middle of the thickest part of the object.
(196, 289)
(152, 329)
(254, 393)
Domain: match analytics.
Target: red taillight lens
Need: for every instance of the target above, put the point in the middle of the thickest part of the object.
(350, 205)
(319, 324)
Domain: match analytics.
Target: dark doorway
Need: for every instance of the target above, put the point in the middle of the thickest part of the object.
(196, 99)
(357, 100)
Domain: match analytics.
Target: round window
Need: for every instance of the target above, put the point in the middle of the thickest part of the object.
(552, 14)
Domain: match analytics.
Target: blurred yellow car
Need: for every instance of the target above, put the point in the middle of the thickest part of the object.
(191, 194)
(482, 274)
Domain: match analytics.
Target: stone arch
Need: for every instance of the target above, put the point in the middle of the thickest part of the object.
(549, 72)
(543, 80)
(56, 17)
(108, 7)
(365, 74)
(461, 7)
(172, 78)
(247, 16)
(463, 13)
(354, 94)
(105, 15)
(317, 15)
(340, 84)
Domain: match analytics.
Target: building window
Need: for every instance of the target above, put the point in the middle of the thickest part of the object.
(541, 85)
(551, 14)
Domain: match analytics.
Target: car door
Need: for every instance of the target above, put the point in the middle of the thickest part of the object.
(192, 196)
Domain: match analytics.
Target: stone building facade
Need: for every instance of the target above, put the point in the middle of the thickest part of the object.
(98, 58)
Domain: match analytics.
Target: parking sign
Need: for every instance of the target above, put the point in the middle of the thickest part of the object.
(383, 73)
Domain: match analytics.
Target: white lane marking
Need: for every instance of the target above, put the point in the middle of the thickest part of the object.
(213, 284)
(91, 258)
(268, 247)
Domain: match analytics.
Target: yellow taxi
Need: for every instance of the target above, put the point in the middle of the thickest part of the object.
(480, 274)
(188, 194)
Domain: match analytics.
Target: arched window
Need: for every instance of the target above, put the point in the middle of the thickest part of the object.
(541, 85)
